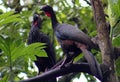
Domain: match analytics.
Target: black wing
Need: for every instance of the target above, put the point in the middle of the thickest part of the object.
(69, 32)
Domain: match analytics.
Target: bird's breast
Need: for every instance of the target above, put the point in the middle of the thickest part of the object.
(67, 42)
(69, 47)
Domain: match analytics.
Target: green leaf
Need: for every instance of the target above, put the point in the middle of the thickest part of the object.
(29, 51)
(4, 46)
(4, 15)
(78, 57)
(116, 30)
(17, 51)
(4, 79)
(93, 33)
(118, 66)
(116, 41)
(2, 62)
(113, 10)
(35, 49)
(77, 2)
(9, 17)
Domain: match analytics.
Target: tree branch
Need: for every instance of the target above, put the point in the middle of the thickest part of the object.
(70, 68)
(103, 35)
(104, 41)
(87, 2)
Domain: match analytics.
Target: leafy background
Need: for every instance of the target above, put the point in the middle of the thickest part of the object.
(16, 57)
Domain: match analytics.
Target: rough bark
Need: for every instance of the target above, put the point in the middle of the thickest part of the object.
(104, 40)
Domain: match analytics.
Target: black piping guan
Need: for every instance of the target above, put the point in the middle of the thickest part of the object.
(73, 41)
(35, 35)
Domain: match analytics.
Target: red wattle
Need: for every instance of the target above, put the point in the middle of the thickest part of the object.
(35, 23)
(48, 14)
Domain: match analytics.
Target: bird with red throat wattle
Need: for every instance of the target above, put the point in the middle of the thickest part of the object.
(35, 35)
(73, 41)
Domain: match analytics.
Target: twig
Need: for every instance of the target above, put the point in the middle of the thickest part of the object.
(87, 2)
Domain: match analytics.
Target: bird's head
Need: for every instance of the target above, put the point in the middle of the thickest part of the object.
(48, 10)
(37, 20)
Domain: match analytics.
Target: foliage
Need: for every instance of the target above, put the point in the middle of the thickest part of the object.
(114, 16)
(118, 66)
(116, 41)
(17, 57)
(15, 54)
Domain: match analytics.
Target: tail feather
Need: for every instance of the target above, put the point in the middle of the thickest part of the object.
(94, 65)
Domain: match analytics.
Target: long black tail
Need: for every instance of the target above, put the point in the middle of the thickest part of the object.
(93, 63)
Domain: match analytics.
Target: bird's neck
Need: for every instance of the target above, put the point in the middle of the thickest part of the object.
(36, 24)
(54, 20)
(34, 28)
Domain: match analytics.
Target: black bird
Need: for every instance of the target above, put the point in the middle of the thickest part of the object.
(35, 35)
(72, 40)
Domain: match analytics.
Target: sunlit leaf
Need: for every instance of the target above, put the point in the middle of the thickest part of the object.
(3, 45)
(10, 19)
(4, 15)
(77, 2)
(116, 41)
(17, 51)
(29, 51)
(4, 79)
(78, 57)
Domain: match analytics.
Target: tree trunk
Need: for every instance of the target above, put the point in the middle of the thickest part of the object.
(104, 42)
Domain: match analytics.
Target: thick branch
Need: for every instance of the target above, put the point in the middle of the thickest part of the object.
(104, 39)
(115, 49)
(103, 35)
(83, 67)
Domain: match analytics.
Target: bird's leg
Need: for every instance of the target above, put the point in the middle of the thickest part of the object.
(70, 62)
(67, 60)
(64, 62)
(58, 64)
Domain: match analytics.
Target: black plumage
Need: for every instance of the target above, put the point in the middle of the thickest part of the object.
(35, 35)
(68, 35)
(72, 40)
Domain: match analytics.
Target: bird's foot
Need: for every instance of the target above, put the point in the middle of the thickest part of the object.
(64, 64)
(69, 63)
